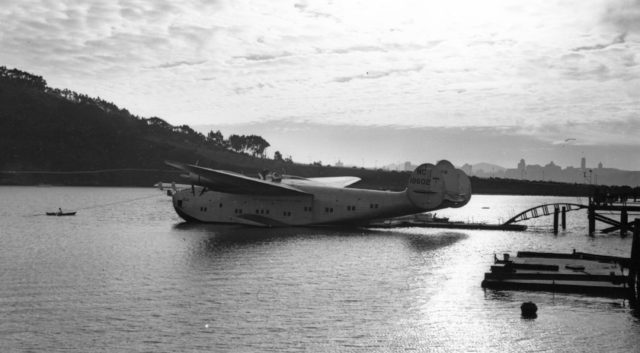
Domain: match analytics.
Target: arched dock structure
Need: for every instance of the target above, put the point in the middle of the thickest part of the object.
(544, 210)
(556, 209)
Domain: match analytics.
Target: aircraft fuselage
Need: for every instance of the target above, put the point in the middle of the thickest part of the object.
(218, 196)
(324, 205)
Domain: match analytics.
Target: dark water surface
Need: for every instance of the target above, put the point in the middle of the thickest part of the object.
(127, 275)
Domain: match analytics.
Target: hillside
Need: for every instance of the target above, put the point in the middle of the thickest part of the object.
(60, 137)
(52, 136)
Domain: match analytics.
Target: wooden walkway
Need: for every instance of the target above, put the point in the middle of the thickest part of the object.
(563, 273)
(576, 272)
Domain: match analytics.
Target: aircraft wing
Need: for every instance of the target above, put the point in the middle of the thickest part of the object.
(338, 182)
(234, 183)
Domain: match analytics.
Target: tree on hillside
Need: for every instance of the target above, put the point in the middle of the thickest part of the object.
(277, 156)
(216, 139)
(22, 78)
(191, 133)
(236, 142)
(257, 145)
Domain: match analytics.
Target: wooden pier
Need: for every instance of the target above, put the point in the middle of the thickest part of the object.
(595, 212)
(623, 225)
(411, 221)
(562, 273)
(575, 272)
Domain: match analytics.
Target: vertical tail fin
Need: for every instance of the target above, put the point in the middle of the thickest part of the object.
(438, 186)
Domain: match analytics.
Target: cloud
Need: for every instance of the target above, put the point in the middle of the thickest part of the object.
(588, 71)
(247, 89)
(617, 40)
(384, 47)
(178, 63)
(371, 75)
(358, 48)
(624, 15)
(602, 132)
(263, 57)
(588, 64)
(303, 6)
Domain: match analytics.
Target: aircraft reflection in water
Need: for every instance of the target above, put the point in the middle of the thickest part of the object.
(218, 196)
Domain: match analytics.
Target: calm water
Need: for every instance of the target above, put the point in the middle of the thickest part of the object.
(126, 275)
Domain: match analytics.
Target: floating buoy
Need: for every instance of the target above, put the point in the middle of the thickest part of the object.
(529, 310)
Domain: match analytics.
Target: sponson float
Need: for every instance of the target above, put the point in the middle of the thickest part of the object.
(218, 196)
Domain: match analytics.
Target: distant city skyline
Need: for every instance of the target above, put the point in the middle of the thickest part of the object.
(584, 174)
(376, 146)
(549, 172)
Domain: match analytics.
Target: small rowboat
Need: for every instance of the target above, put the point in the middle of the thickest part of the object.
(61, 213)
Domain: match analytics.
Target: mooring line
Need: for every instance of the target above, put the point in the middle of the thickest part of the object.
(120, 202)
(83, 171)
(104, 205)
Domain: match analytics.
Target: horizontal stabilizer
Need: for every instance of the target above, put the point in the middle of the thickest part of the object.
(234, 183)
(337, 182)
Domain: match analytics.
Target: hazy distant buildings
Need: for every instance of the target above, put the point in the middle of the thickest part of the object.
(467, 169)
(522, 168)
(405, 166)
(548, 172)
(582, 175)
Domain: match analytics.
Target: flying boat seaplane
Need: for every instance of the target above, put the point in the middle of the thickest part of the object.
(274, 200)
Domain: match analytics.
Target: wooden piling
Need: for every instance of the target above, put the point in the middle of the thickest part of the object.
(556, 211)
(564, 218)
(623, 222)
(592, 218)
(634, 264)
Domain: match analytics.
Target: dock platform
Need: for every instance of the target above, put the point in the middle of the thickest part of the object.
(431, 221)
(452, 225)
(575, 272)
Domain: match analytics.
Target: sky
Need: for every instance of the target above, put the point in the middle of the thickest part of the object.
(364, 82)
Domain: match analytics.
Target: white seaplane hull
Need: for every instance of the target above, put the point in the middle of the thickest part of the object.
(305, 202)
